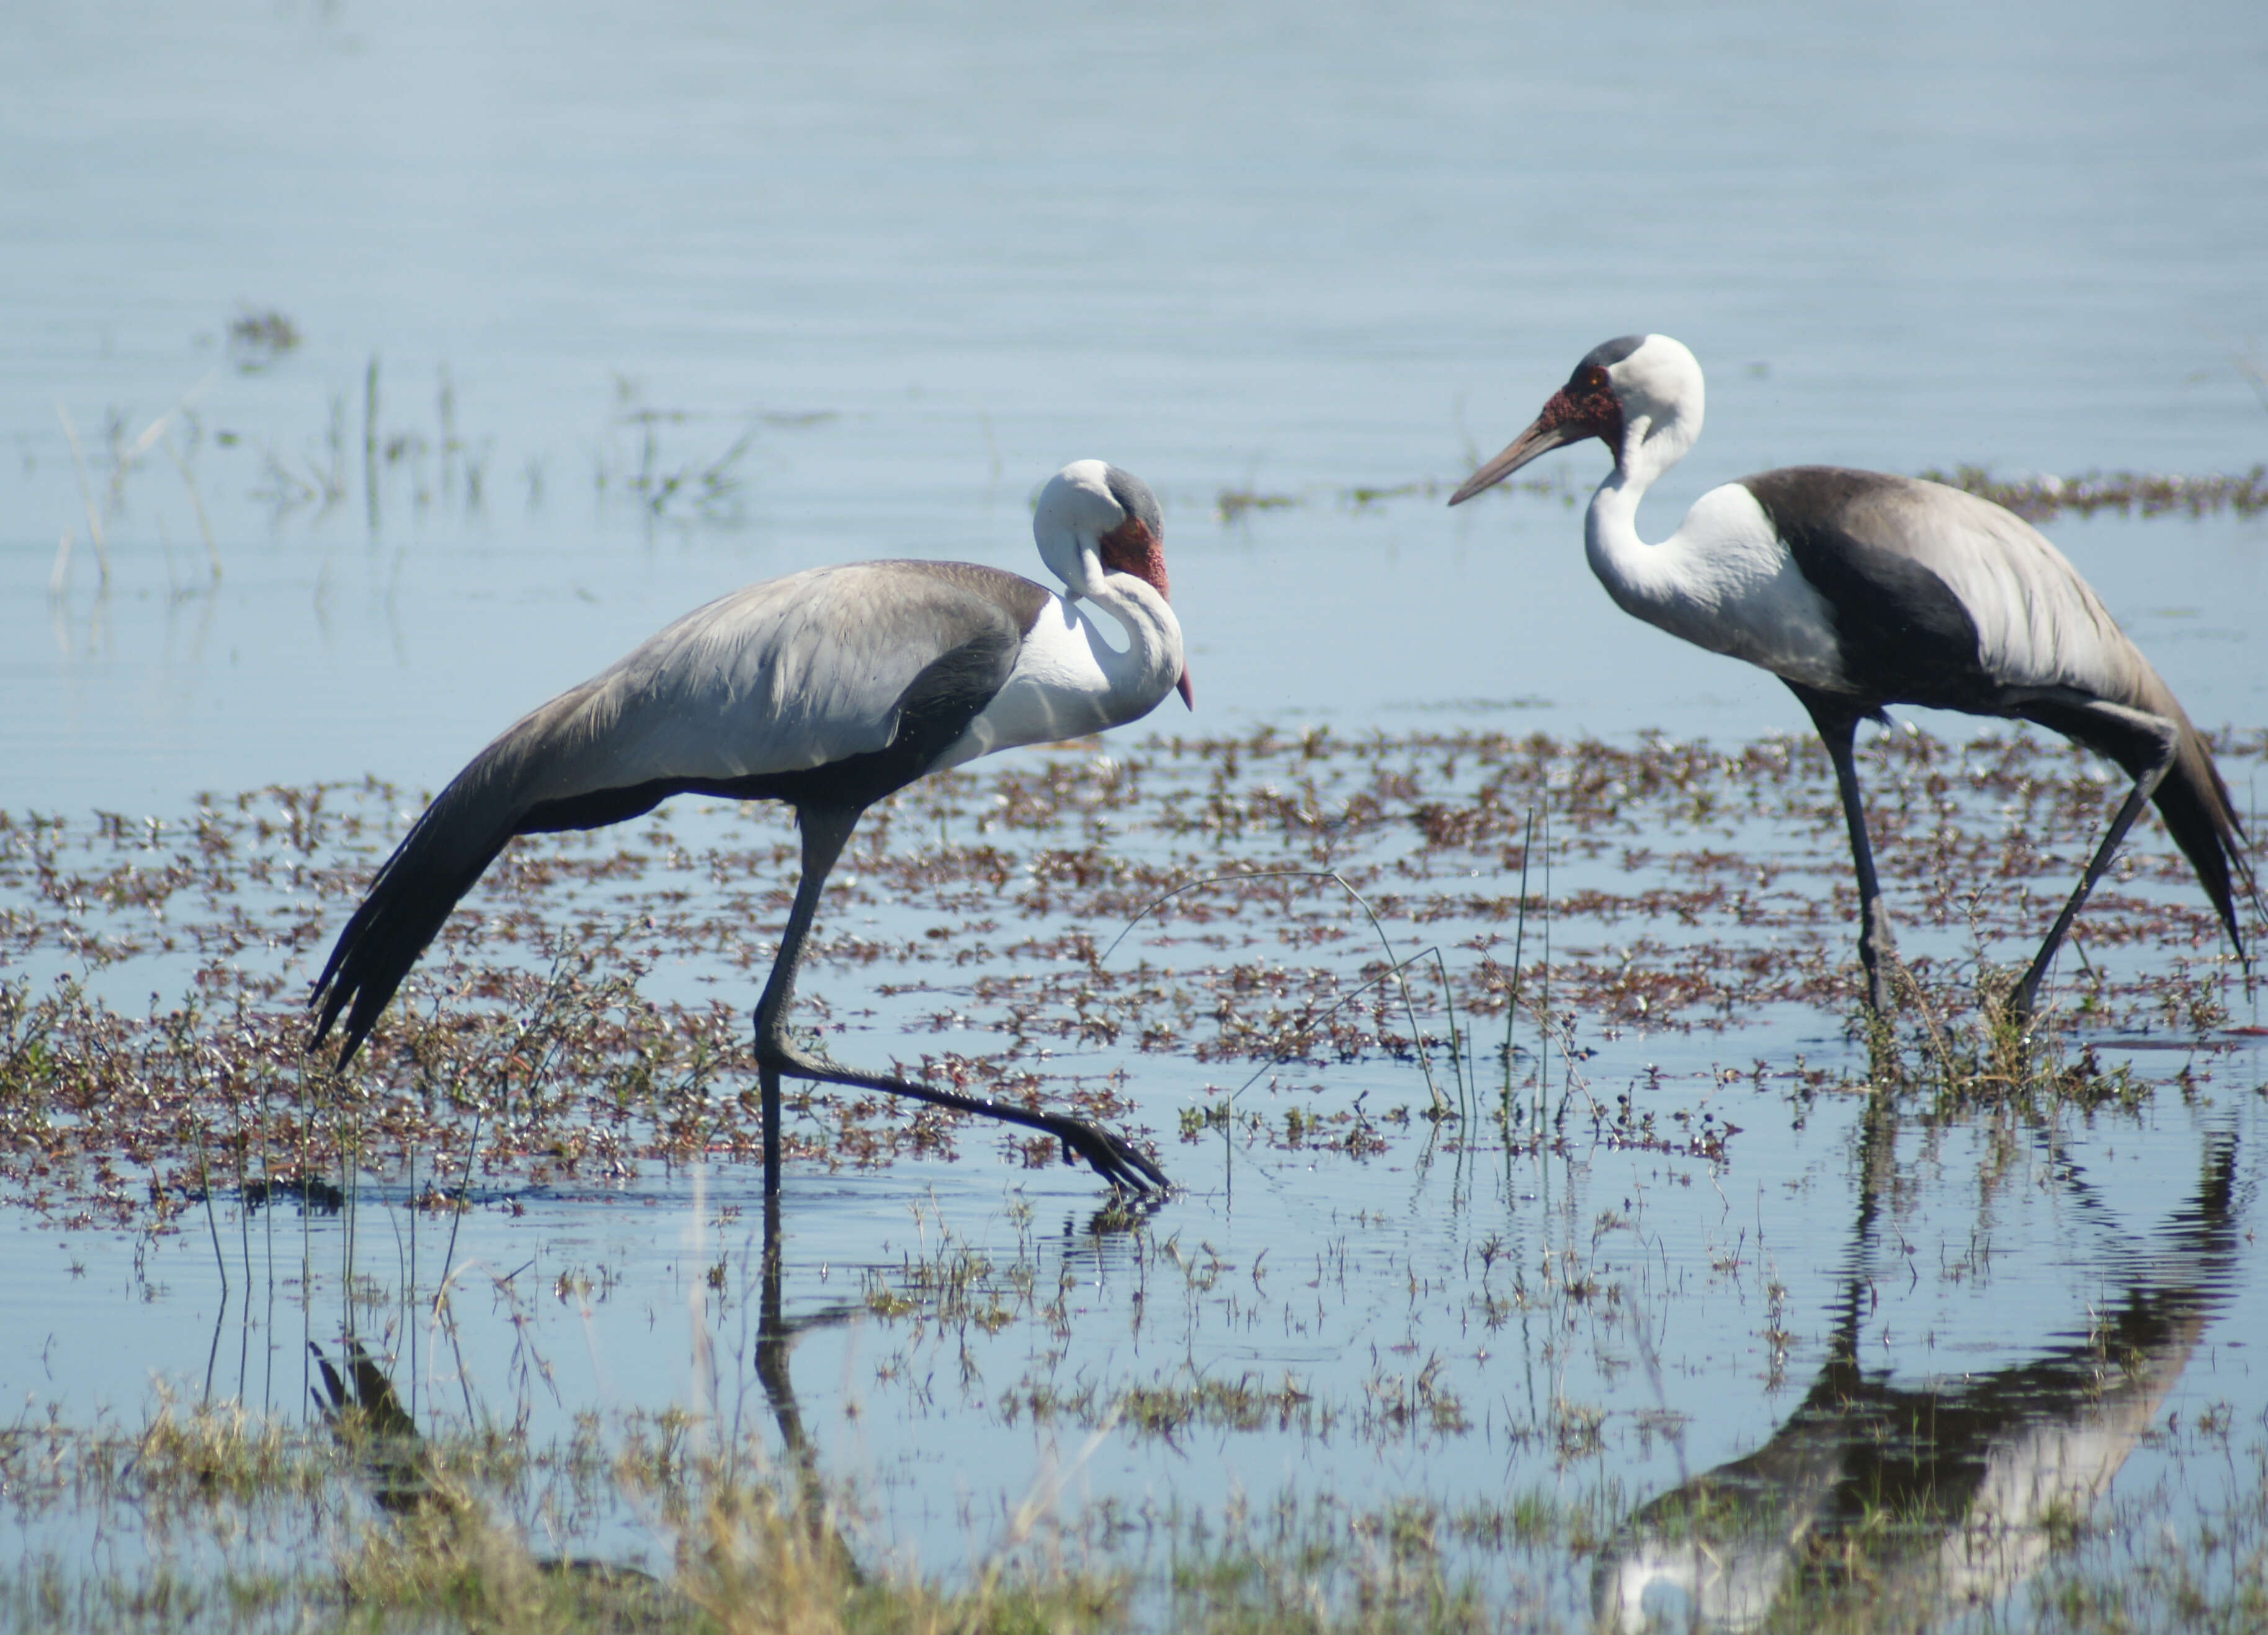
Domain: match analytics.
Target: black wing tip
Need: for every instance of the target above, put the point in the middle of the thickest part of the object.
(328, 1001)
(2193, 801)
(405, 907)
(2244, 877)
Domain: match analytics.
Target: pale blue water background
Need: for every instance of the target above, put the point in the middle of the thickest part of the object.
(1291, 251)
(1288, 250)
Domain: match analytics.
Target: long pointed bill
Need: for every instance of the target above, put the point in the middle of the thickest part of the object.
(1554, 428)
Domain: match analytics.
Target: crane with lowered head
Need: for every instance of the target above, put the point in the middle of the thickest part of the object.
(827, 690)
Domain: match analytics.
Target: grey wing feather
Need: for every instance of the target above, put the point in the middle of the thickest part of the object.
(1934, 575)
(779, 677)
(2038, 622)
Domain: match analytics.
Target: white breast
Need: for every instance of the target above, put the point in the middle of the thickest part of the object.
(1059, 688)
(1725, 582)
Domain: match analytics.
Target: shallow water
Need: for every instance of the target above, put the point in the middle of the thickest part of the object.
(920, 258)
(1459, 1331)
(1287, 255)
(1708, 1226)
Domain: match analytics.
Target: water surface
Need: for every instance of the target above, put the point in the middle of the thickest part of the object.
(919, 259)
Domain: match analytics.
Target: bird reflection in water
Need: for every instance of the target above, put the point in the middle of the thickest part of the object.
(357, 1399)
(1878, 1505)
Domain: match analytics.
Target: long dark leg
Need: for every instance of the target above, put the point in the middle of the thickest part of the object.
(1838, 722)
(768, 1089)
(826, 831)
(2111, 724)
(1877, 943)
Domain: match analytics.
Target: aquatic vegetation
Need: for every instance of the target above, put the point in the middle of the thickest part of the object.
(588, 1016)
(1500, 1021)
(2148, 494)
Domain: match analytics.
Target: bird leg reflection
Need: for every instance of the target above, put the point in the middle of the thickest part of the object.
(774, 1337)
(1970, 1473)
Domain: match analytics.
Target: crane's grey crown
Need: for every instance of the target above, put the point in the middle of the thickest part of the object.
(1607, 354)
(1135, 499)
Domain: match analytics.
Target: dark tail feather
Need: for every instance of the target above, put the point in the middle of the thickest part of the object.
(445, 851)
(524, 782)
(2191, 798)
(435, 864)
(2194, 803)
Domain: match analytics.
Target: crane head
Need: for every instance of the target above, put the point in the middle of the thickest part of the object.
(1642, 382)
(1094, 518)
